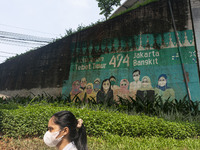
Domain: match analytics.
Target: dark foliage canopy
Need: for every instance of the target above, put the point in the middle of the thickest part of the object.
(106, 6)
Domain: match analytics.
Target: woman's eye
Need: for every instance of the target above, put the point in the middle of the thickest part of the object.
(49, 129)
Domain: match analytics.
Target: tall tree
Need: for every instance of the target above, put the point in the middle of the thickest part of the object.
(106, 6)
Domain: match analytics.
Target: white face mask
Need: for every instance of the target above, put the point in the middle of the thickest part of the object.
(50, 138)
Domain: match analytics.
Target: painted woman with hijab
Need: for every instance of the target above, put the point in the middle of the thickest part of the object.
(123, 91)
(82, 88)
(90, 94)
(83, 84)
(97, 85)
(75, 89)
(162, 90)
(146, 90)
(106, 93)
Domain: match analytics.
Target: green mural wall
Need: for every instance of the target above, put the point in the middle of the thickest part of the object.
(138, 65)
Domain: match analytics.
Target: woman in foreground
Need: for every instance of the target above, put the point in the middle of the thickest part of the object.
(66, 132)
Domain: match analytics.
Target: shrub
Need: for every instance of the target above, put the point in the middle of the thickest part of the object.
(182, 109)
(33, 120)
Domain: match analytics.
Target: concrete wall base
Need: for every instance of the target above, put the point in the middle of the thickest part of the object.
(32, 92)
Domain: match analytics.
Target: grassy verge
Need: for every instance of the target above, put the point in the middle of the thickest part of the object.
(110, 142)
(32, 121)
(109, 128)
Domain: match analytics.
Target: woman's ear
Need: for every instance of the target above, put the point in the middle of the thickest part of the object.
(66, 131)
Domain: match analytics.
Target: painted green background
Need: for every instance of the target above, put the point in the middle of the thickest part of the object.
(150, 61)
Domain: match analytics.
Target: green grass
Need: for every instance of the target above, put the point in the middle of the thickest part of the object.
(114, 142)
(110, 142)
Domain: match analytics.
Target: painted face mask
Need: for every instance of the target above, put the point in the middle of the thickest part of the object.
(50, 138)
(96, 86)
(112, 82)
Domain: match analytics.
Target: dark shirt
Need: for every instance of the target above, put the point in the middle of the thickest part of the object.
(102, 97)
(148, 94)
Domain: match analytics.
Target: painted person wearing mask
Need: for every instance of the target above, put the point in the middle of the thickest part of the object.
(163, 90)
(66, 132)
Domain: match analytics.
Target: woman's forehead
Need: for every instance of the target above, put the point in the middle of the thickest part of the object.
(51, 122)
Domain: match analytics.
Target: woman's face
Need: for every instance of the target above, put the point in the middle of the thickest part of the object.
(123, 85)
(106, 85)
(112, 81)
(52, 127)
(89, 89)
(145, 82)
(97, 85)
(162, 81)
(136, 76)
(83, 82)
(77, 85)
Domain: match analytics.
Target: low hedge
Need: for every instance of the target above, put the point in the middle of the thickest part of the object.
(32, 120)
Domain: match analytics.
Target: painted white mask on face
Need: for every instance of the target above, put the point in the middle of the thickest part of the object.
(50, 138)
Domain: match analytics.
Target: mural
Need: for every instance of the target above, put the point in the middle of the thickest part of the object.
(137, 66)
(110, 90)
(163, 90)
(136, 84)
(75, 89)
(90, 93)
(146, 89)
(106, 93)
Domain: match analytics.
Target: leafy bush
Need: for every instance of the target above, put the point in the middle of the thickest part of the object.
(9, 106)
(157, 106)
(33, 119)
(181, 110)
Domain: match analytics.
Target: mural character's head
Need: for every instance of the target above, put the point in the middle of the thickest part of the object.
(75, 87)
(112, 80)
(136, 75)
(83, 82)
(62, 128)
(97, 81)
(89, 88)
(106, 86)
(146, 83)
(162, 82)
(96, 84)
(124, 84)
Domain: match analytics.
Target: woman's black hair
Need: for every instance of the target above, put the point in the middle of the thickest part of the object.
(76, 135)
(112, 77)
(136, 71)
(102, 85)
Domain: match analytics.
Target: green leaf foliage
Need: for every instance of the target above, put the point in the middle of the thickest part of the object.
(106, 6)
(32, 120)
